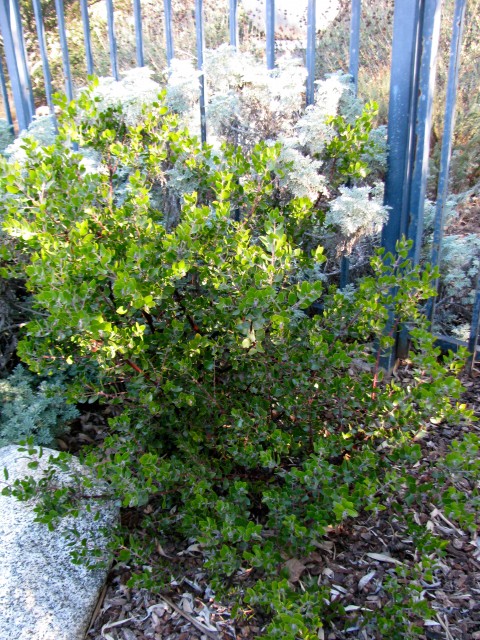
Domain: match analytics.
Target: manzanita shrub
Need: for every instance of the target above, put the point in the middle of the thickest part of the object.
(246, 422)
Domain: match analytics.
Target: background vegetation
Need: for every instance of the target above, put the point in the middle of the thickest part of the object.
(332, 55)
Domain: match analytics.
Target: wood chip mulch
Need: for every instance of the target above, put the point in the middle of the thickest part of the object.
(353, 561)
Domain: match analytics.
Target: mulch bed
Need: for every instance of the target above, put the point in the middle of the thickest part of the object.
(353, 561)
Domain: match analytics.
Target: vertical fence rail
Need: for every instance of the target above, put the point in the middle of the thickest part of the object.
(354, 55)
(399, 134)
(414, 52)
(86, 36)
(200, 52)
(270, 33)
(403, 79)
(353, 66)
(64, 46)
(18, 27)
(5, 98)
(310, 55)
(42, 43)
(111, 39)
(423, 123)
(423, 84)
(167, 12)
(137, 17)
(475, 328)
(14, 55)
(447, 140)
(233, 23)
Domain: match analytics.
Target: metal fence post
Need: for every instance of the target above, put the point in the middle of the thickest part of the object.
(475, 328)
(42, 42)
(86, 36)
(112, 40)
(447, 140)
(167, 10)
(16, 63)
(233, 23)
(64, 46)
(310, 55)
(200, 51)
(6, 101)
(354, 57)
(423, 122)
(22, 59)
(353, 66)
(402, 82)
(403, 78)
(415, 45)
(137, 15)
(270, 32)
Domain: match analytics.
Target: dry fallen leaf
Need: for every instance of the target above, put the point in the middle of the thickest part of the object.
(365, 580)
(191, 550)
(186, 603)
(339, 588)
(325, 545)
(161, 551)
(295, 569)
(382, 557)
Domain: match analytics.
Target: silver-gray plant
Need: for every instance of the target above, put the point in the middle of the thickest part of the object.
(33, 407)
(6, 135)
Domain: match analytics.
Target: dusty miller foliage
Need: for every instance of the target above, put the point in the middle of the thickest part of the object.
(6, 135)
(42, 129)
(247, 103)
(32, 407)
(459, 269)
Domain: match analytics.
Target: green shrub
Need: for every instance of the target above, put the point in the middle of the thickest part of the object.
(247, 423)
(32, 407)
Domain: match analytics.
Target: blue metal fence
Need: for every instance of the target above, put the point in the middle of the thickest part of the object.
(167, 8)
(5, 98)
(86, 36)
(15, 55)
(62, 32)
(42, 43)
(200, 52)
(446, 153)
(414, 49)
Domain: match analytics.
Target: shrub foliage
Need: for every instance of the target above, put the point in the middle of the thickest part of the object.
(248, 423)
